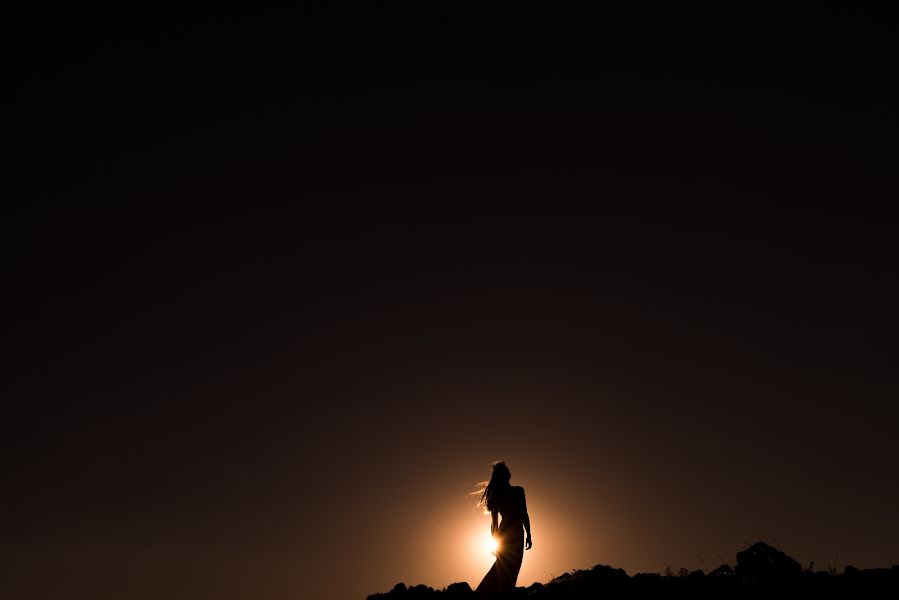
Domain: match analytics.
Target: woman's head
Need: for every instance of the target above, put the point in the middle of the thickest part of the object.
(500, 472)
(499, 482)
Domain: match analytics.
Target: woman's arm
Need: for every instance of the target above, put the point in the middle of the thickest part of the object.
(527, 522)
(493, 525)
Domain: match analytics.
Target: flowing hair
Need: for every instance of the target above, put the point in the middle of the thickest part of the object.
(489, 491)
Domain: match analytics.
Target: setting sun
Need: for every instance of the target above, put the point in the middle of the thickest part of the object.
(490, 544)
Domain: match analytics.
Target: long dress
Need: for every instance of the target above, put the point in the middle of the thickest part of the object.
(504, 573)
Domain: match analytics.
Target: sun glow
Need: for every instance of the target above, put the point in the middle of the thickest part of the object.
(490, 544)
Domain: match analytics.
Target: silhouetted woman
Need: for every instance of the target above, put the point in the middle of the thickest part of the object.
(501, 498)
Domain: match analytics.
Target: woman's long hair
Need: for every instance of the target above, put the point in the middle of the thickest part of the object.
(489, 491)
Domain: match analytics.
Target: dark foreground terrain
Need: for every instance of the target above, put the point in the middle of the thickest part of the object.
(759, 570)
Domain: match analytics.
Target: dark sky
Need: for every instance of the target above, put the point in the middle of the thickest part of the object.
(274, 305)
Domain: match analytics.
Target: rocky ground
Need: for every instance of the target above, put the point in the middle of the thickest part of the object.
(759, 570)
